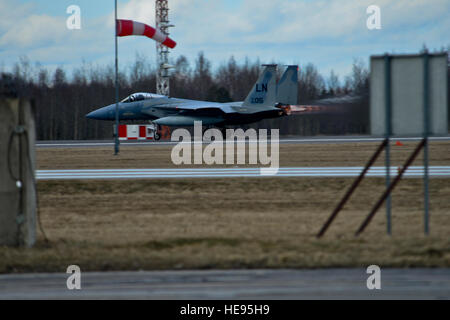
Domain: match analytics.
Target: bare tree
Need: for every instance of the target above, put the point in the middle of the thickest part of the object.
(62, 100)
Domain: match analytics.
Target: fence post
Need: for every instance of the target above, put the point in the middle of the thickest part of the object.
(17, 158)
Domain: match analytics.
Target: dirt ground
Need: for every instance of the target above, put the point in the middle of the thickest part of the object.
(230, 223)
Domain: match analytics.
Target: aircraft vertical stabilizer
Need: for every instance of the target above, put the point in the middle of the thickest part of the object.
(287, 89)
(263, 92)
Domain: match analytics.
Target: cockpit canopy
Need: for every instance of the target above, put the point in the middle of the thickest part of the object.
(139, 96)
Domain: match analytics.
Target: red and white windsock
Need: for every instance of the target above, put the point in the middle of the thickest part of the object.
(130, 27)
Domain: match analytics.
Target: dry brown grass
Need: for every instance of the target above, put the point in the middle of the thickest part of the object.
(230, 223)
(301, 155)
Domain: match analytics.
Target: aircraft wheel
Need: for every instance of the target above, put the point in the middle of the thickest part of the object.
(157, 134)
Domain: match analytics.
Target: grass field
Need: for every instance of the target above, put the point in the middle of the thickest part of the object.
(301, 155)
(230, 223)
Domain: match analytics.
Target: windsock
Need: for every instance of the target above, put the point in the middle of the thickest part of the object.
(130, 27)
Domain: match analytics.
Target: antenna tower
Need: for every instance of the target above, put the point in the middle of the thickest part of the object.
(162, 52)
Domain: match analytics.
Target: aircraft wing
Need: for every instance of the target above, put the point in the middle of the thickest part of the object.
(228, 107)
(189, 111)
(186, 112)
(182, 121)
(195, 105)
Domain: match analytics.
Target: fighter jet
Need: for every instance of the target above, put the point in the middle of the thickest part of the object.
(267, 99)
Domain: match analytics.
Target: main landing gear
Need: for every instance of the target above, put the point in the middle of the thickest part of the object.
(156, 132)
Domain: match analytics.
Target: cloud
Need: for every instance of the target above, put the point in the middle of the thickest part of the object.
(325, 32)
(10, 12)
(142, 11)
(283, 21)
(334, 31)
(46, 39)
(34, 30)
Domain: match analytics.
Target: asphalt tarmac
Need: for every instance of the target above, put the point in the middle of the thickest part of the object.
(232, 284)
(190, 173)
(288, 140)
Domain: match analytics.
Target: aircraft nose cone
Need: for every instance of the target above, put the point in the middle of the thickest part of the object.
(99, 114)
(91, 115)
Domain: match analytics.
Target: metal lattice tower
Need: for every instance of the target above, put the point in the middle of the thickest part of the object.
(162, 52)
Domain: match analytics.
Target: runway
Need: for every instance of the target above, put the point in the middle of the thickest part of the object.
(288, 140)
(320, 172)
(232, 284)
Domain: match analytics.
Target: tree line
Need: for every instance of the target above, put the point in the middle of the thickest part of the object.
(62, 101)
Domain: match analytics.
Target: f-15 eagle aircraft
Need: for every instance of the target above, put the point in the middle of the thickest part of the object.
(265, 100)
